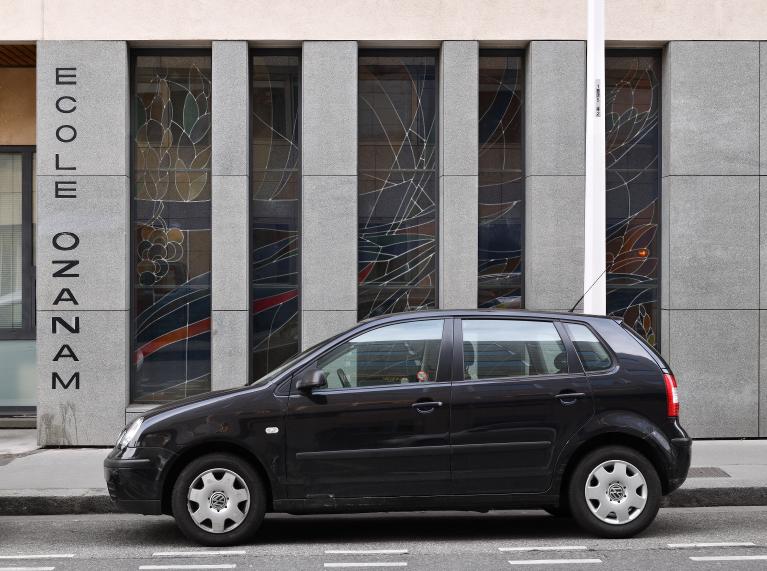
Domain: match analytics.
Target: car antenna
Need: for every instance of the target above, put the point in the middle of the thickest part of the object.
(572, 309)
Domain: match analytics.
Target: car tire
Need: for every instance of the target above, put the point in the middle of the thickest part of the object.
(218, 500)
(614, 492)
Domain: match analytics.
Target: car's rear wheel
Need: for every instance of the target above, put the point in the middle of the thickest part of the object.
(218, 499)
(614, 492)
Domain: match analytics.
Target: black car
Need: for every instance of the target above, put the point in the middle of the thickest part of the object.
(471, 410)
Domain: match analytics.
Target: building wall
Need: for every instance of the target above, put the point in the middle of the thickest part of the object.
(714, 170)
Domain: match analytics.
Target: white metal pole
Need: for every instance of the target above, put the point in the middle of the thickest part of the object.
(594, 279)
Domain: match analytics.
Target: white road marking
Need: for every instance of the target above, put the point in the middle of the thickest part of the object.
(27, 568)
(366, 551)
(546, 548)
(731, 558)
(221, 566)
(197, 553)
(40, 556)
(712, 544)
(553, 561)
(369, 564)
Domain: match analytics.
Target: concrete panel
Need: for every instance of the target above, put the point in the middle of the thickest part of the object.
(458, 241)
(329, 108)
(555, 108)
(714, 242)
(94, 414)
(554, 241)
(231, 116)
(665, 240)
(713, 355)
(763, 374)
(230, 355)
(100, 116)
(712, 104)
(230, 219)
(763, 242)
(317, 326)
(99, 217)
(329, 243)
(763, 108)
(459, 108)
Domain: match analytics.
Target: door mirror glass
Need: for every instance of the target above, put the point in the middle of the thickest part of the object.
(311, 379)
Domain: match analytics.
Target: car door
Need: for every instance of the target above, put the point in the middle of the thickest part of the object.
(518, 394)
(381, 425)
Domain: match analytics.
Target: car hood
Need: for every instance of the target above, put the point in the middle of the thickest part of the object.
(210, 396)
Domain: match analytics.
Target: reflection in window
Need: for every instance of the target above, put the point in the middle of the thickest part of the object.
(592, 353)
(500, 348)
(397, 189)
(632, 118)
(171, 226)
(392, 355)
(501, 179)
(275, 162)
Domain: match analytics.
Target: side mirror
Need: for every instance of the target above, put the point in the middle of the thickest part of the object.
(312, 379)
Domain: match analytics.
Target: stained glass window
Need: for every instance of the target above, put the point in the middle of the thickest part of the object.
(171, 117)
(632, 116)
(397, 188)
(501, 179)
(275, 176)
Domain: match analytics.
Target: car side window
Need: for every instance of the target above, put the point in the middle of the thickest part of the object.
(592, 353)
(501, 348)
(390, 355)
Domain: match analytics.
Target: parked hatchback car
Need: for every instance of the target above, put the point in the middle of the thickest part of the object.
(472, 410)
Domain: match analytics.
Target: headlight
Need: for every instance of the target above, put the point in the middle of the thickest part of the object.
(127, 435)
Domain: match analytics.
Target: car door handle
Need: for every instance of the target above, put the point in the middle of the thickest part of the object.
(426, 406)
(569, 396)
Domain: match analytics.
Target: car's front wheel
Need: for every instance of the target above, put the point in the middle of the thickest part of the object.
(218, 500)
(614, 492)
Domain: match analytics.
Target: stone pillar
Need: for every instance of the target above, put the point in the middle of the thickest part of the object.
(328, 189)
(710, 289)
(458, 174)
(230, 217)
(555, 158)
(82, 242)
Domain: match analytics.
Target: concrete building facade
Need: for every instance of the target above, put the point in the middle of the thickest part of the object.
(220, 170)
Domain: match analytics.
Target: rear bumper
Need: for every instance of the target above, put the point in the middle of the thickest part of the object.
(681, 448)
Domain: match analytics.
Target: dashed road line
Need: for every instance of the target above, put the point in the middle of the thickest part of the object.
(553, 561)
(158, 567)
(366, 551)
(711, 544)
(367, 564)
(27, 568)
(731, 558)
(40, 556)
(198, 553)
(545, 548)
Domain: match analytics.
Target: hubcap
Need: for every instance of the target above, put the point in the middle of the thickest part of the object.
(616, 492)
(218, 500)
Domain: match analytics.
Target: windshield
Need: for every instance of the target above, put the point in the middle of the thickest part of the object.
(274, 373)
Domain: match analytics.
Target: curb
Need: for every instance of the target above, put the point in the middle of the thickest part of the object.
(97, 501)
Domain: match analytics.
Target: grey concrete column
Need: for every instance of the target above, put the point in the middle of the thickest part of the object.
(230, 216)
(458, 180)
(82, 252)
(328, 189)
(710, 289)
(763, 236)
(555, 158)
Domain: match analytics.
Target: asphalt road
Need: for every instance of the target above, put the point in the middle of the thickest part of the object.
(427, 540)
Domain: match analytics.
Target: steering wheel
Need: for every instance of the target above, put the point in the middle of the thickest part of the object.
(344, 379)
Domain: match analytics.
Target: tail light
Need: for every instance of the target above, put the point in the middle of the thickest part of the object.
(672, 395)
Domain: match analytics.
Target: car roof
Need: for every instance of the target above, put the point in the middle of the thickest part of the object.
(514, 313)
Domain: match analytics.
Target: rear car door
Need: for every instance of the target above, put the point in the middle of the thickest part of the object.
(381, 426)
(518, 395)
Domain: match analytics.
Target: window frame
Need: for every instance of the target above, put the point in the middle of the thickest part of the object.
(444, 367)
(573, 363)
(28, 329)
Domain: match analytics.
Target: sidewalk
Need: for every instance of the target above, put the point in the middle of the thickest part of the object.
(71, 481)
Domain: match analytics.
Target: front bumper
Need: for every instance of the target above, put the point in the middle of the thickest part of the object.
(134, 479)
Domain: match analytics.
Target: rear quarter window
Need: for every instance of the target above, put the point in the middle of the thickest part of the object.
(593, 355)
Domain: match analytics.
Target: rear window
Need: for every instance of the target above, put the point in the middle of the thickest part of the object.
(592, 353)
